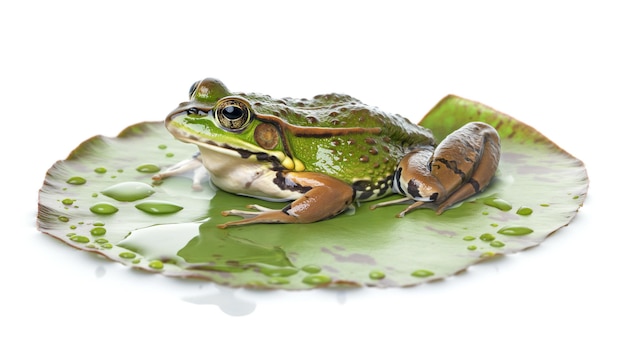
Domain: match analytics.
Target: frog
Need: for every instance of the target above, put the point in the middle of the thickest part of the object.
(324, 155)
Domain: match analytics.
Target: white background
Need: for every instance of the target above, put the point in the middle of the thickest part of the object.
(71, 70)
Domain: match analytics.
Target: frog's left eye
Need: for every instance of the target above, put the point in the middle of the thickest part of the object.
(233, 114)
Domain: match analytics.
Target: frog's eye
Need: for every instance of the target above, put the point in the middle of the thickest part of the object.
(233, 114)
(193, 88)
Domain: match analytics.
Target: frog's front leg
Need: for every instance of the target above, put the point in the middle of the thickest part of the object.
(194, 165)
(322, 197)
(461, 166)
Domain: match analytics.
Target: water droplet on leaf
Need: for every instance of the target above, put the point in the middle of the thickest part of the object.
(129, 191)
(422, 273)
(498, 203)
(127, 254)
(524, 211)
(279, 271)
(158, 207)
(98, 231)
(77, 180)
(103, 208)
(496, 244)
(156, 264)
(312, 269)
(487, 237)
(515, 231)
(377, 275)
(316, 279)
(278, 281)
(79, 239)
(148, 168)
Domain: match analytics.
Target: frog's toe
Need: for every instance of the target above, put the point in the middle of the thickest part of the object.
(403, 200)
(261, 215)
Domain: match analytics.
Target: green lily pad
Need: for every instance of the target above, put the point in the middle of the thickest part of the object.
(102, 199)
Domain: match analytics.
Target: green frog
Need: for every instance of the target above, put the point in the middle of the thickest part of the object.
(324, 154)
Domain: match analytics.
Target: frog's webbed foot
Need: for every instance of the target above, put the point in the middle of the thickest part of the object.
(461, 166)
(322, 197)
(194, 165)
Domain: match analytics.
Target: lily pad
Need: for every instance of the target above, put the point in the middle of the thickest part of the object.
(102, 199)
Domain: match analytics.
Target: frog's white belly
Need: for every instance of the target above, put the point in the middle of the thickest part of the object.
(250, 177)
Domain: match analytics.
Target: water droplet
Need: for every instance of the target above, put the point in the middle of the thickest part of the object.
(422, 273)
(77, 180)
(94, 195)
(496, 244)
(98, 224)
(469, 238)
(162, 146)
(155, 264)
(72, 226)
(312, 269)
(129, 191)
(79, 239)
(487, 254)
(101, 241)
(278, 281)
(472, 247)
(515, 231)
(498, 203)
(106, 246)
(169, 154)
(63, 219)
(100, 170)
(98, 231)
(377, 275)
(158, 207)
(148, 168)
(127, 255)
(103, 208)
(487, 237)
(544, 205)
(316, 279)
(279, 271)
(524, 211)
(67, 201)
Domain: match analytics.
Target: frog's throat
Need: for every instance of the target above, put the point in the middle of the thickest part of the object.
(278, 159)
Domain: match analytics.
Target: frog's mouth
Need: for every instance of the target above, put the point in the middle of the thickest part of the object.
(277, 159)
(241, 150)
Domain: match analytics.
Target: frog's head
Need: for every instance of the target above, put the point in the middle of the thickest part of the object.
(219, 121)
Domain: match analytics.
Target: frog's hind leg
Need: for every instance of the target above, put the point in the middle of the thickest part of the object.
(466, 162)
(461, 166)
(322, 197)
